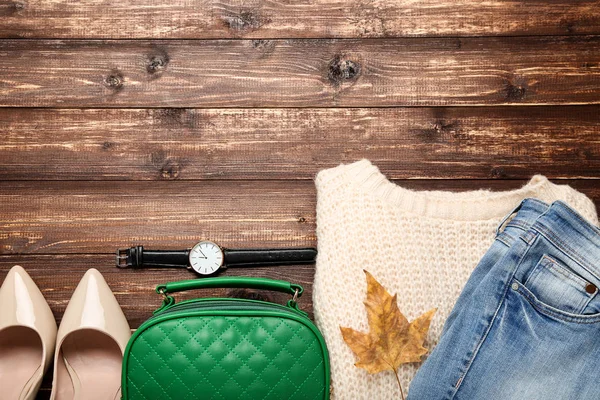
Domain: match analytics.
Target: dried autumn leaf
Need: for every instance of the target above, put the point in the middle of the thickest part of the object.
(391, 340)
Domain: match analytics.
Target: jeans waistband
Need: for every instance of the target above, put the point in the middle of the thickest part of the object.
(520, 220)
(573, 234)
(525, 214)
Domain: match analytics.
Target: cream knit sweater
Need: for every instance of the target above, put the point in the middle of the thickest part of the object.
(421, 245)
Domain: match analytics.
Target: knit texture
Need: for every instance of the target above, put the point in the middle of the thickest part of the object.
(422, 245)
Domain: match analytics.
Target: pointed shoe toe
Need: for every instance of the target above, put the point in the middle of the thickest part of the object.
(91, 340)
(27, 336)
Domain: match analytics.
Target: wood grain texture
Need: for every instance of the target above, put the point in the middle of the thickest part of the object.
(45, 222)
(295, 19)
(118, 127)
(194, 144)
(302, 73)
(99, 217)
(58, 275)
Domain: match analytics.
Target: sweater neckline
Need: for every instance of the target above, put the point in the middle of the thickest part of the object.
(472, 205)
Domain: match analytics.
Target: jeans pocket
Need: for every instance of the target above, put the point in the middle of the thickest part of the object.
(554, 283)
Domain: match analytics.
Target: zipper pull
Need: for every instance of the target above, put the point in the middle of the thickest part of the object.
(167, 302)
(294, 306)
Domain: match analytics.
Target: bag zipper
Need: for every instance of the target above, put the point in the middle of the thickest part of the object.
(222, 304)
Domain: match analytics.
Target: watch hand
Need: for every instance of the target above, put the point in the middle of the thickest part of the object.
(202, 253)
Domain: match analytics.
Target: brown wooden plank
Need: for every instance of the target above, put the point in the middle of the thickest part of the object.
(312, 19)
(289, 73)
(85, 217)
(99, 217)
(192, 144)
(58, 275)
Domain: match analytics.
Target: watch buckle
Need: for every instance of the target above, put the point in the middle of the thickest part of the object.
(121, 258)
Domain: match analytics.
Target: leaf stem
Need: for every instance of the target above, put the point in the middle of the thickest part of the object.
(399, 384)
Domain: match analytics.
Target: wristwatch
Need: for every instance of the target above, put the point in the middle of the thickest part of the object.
(206, 257)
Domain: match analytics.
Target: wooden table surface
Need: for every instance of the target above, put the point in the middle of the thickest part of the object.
(160, 123)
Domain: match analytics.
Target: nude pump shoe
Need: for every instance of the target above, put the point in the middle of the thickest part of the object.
(27, 336)
(90, 344)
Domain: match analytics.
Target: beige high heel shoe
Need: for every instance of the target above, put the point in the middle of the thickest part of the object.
(90, 344)
(27, 336)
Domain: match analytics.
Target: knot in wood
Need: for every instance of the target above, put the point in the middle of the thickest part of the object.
(515, 88)
(263, 45)
(569, 25)
(515, 92)
(108, 145)
(114, 81)
(342, 70)
(157, 64)
(260, 43)
(245, 20)
(19, 6)
(498, 172)
(170, 170)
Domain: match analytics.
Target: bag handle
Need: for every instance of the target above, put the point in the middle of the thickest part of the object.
(232, 282)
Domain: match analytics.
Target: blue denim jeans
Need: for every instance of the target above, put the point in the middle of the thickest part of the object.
(527, 324)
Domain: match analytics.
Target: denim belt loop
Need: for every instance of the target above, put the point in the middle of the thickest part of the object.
(510, 214)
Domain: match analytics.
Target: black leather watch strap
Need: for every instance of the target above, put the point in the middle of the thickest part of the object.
(137, 257)
(266, 257)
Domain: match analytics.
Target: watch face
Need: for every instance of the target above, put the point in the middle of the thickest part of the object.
(206, 257)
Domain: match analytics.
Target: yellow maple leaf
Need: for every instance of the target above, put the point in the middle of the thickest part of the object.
(391, 340)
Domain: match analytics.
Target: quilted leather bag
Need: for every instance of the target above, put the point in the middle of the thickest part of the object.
(226, 348)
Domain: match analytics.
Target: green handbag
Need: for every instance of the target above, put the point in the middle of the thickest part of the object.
(226, 348)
